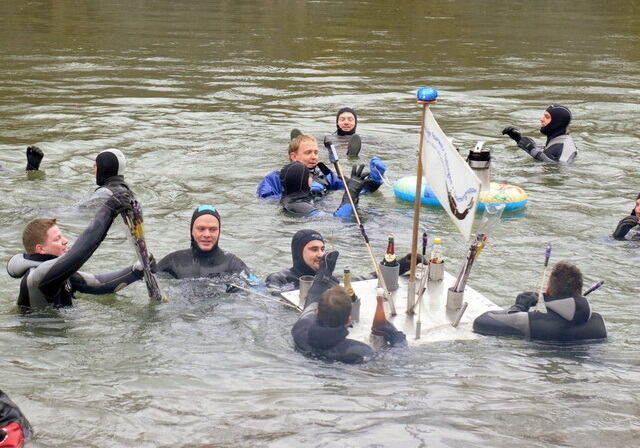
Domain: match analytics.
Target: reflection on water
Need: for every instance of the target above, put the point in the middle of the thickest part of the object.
(201, 97)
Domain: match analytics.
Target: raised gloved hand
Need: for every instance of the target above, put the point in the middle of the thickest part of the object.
(137, 266)
(524, 301)
(323, 279)
(34, 157)
(355, 183)
(391, 334)
(512, 132)
(120, 200)
(405, 262)
(377, 168)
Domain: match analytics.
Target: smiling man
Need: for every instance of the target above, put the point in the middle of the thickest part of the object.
(50, 270)
(204, 258)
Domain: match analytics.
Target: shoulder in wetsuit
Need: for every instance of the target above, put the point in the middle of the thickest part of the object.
(15, 429)
(50, 280)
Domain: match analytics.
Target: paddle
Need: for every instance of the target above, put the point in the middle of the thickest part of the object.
(333, 158)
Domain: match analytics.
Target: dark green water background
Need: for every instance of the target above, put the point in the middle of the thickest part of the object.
(201, 97)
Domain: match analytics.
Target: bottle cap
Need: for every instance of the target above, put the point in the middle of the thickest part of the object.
(380, 292)
(347, 269)
(437, 241)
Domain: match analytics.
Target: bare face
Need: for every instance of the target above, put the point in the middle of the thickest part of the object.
(545, 119)
(312, 254)
(55, 244)
(307, 154)
(637, 209)
(206, 231)
(346, 121)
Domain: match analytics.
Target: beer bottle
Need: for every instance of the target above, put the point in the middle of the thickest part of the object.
(390, 258)
(379, 318)
(355, 301)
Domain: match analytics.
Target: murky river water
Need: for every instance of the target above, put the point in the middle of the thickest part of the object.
(201, 97)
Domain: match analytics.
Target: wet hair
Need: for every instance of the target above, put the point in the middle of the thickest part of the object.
(294, 144)
(334, 307)
(565, 281)
(36, 233)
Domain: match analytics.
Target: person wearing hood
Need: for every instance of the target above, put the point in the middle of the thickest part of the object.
(321, 330)
(559, 146)
(204, 258)
(15, 429)
(34, 157)
(298, 200)
(628, 222)
(50, 270)
(109, 170)
(304, 149)
(307, 250)
(568, 317)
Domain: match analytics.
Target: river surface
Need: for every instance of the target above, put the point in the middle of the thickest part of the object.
(201, 97)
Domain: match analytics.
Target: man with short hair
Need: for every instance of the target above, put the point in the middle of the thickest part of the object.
(50, 271)
(568, 317)
(204, 258)
(304, 149)
(321, 330)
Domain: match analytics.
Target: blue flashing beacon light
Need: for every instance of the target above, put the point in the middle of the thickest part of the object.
(427, 94)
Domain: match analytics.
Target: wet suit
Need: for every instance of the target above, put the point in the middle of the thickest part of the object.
(49, 280)
(314, 339)
(15, 429)
(298, 200)
(566, 319)
(626, 224)
(559, 146)
(197, 263)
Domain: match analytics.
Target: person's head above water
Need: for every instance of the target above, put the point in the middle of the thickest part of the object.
(43, 237)
(334, 307)
(109, 163)
(307, 249)
(294, 178)
(346, 121)
(304, 149)
(565, 281)
(555, 120)
(205, 229)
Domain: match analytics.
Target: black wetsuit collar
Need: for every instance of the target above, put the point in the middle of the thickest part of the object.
(40, 257)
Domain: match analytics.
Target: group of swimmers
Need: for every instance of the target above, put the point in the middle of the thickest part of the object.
(49, 271)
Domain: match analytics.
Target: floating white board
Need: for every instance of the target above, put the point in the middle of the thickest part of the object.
(436, 319)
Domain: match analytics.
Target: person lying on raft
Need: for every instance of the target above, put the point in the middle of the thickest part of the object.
(49, 270)
(568, 317)
(559, 146)
(307, 251)
(298, 200)
(628, 222)
(34, 157)
(204, 258)
(321, 330)
(15, 429)
(304, 149)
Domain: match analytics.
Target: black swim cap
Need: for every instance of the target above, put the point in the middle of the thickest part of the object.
(355, 116)
(560, 119)
(109, 163)
(299, 240)
(199, 211)
(294, 178)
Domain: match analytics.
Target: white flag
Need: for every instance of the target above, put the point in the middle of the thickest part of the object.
(448, 175)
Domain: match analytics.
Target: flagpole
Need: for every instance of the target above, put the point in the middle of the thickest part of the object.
(425, 96)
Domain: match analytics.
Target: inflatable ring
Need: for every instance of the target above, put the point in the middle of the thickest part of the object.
(512, 196)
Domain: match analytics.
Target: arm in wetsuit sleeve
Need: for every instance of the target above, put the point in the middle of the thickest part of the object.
(624, 226)
(529, 146)
(104, 283)
(80, 252)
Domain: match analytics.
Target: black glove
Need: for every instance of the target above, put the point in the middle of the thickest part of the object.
(527, 144)
(34, 157)
(512, 132)
(524, 301)
(391, 334)
(120, 201)
(323, 279)
(405, 262)
(355, 183)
